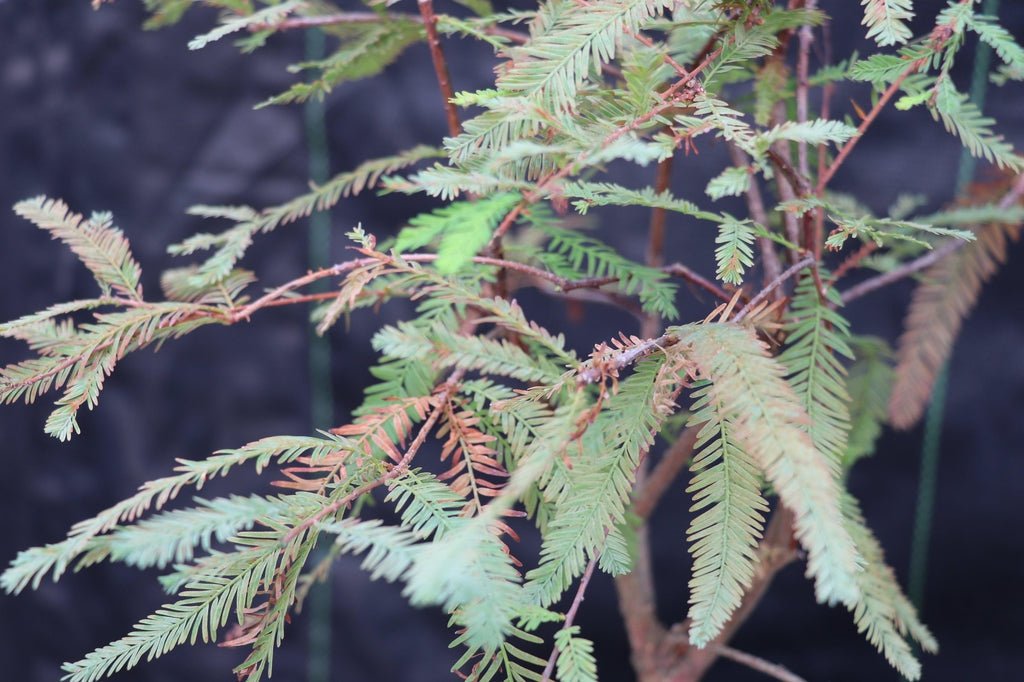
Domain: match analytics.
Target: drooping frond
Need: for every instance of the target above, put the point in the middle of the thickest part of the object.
(946, 294)
(172, 537)
(745, 43)
(389, 551)
(769, 422)
(230, 246)
(79, 363)
(31, 566)
(588, 194)
(726, 490)
(474, 471)
(97, 243)
(962, 117)
(852, 220)
(818, 340)
(882, 613)
(594, 497)
(204, 606)
(469, 570)
(817, 131)
(510, 660)
(999, 39)
(427, 506)
(440, 344)
(887, 20)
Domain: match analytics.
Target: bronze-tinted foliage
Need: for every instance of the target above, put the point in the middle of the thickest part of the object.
(948, 291)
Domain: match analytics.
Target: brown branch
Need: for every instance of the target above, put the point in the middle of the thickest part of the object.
(826, 112)
(786, 188)
(759, 664)
(825, 177)
(778, 281)
(795, 178)
(683, 271)
(805, 38)
(440, 66)
(656, 231)
(905, 270)
(570, 615)
(853, 260)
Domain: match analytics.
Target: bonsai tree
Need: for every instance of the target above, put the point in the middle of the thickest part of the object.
(483, 422)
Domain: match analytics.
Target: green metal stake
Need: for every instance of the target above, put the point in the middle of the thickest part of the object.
(934, 418)
(321, 394)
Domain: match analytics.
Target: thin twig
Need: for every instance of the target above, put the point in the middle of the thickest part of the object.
(759, 664)
(905, 270)
(683, 271)
(440, 66)
(823, 180)
(763, 294)
(853, 261)
(786, 188)
(806, 37)
(826, 112)
(570, 615)
(932, 257)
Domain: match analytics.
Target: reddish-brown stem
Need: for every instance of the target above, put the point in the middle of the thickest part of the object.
(853, 261)
(656, 231)
(683, 271)
(570, 615)
(825, 177)
(440, 66)
(795, 178)
(787, 188)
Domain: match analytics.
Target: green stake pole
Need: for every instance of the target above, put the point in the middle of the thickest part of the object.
(321, 396)
(934, 418)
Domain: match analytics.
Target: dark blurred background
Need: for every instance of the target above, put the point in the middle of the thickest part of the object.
(108, 117)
